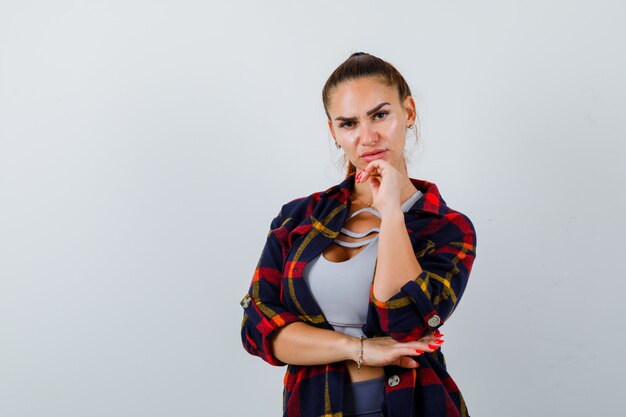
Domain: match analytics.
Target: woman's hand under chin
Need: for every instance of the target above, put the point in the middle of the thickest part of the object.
(386, 183)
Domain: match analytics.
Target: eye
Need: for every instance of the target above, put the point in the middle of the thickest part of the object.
(344, 124)
(381, 112)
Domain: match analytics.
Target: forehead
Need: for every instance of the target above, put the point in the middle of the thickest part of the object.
(360, 95)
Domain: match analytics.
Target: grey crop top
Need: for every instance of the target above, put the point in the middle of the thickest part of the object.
(342, 289)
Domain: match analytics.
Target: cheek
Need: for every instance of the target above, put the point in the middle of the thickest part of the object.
(397, 129)
(348, 138)
(394, 124)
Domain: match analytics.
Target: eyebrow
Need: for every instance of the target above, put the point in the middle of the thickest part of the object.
(370, 112)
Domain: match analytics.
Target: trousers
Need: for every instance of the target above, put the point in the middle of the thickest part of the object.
(364, 398)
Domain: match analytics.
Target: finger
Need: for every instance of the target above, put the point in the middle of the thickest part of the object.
(428, 347)
(374, 185)
(427, 339)
(431, 338)
(406, 362)
(376, 167)
(362, 176)
(413, 351)
(378, 164)
(438, 338)
(367, 172)
(420, 346)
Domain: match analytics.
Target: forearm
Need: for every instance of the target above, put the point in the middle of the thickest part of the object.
(302, 344)
(397, 263)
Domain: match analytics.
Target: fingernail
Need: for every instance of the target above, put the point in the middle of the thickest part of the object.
(433, 346)
(439, 341)
(419, 351)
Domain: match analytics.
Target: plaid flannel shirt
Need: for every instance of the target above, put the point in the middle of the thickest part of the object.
(444, 241)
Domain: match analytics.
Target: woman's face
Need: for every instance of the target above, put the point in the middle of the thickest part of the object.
(369, 121)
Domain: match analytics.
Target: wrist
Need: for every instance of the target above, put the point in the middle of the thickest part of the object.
(351, 348)
(360, 360)
(392, 215)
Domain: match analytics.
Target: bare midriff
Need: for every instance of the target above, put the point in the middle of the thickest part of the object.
(367, 372)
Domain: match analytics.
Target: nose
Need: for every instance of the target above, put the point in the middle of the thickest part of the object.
(368, 134)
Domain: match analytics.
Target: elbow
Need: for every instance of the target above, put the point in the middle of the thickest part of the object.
(258, 344)
(276, 348)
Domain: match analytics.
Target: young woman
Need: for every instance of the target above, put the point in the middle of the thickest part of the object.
(355, 281)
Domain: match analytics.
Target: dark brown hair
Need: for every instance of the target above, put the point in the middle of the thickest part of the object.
(361, 65)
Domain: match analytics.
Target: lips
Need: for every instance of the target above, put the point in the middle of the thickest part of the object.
(373, 154)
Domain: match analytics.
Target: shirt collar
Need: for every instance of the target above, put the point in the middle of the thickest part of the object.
(431, 202)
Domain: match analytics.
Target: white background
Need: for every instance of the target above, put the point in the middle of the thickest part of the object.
(145, 147)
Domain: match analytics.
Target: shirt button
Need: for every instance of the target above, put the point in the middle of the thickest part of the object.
(393, 380)
(246, 301)
(434, 321)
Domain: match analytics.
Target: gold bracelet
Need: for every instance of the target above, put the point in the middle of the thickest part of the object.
(360, 361)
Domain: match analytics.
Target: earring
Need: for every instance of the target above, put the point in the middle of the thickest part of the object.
(414, 129)
(338, 146)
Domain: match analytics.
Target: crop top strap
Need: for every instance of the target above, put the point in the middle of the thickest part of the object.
(405, 206)
(355, 244)
(368, 209)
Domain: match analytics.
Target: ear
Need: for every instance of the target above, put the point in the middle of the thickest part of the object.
(409, 107)
(330, 127)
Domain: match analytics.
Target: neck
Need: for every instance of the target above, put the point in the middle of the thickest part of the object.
(362, 191)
